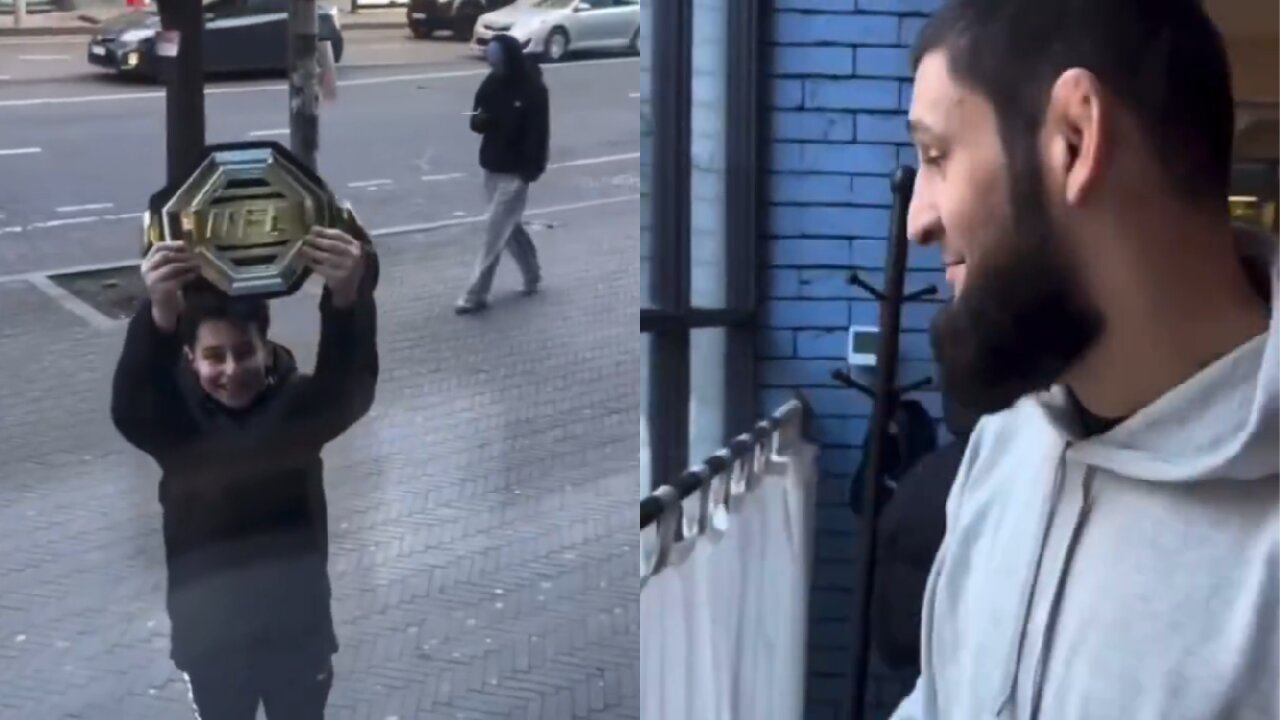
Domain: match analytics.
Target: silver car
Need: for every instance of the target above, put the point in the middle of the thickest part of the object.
(555, 28)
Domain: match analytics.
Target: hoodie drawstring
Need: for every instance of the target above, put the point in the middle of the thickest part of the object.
(1029, 589)
(1055, 603)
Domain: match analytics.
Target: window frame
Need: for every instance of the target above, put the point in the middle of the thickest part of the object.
(670, 318)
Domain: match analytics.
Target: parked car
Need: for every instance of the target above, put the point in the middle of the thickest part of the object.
(457, 16)
(554, 28)
(239, 36)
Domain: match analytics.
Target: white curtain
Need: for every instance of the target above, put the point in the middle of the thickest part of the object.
(724, 619)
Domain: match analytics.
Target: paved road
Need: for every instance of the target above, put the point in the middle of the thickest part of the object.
(84, 158)
(483, 515)
(31, 61)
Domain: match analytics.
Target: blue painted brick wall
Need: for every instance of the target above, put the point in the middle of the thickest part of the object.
(839, 89)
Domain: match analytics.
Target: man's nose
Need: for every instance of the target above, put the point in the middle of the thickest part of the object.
(923, 222)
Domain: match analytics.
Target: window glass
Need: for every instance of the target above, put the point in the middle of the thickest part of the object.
(647, 481)
(707, 406)
(707, 154)
(646, 156)
(1253, 200)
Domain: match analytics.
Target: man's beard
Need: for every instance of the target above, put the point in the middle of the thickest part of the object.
(1022, 319)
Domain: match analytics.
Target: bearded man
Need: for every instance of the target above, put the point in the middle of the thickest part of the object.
(1113, 532)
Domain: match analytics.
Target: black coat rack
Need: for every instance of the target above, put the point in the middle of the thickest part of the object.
(885, 394)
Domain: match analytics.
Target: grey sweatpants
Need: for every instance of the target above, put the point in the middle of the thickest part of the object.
(507, 195)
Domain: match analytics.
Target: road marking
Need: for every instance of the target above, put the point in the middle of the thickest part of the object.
(385, 45)
(67, 221)
(595, 160)
(634, 95)
(70, 41)
(264, 133)
(19, 151)
(469, 219)
(74, 304)
(383, 232)
(44, 57)
(29, 102)
(358, 184)
(78, 208)
(6, 77)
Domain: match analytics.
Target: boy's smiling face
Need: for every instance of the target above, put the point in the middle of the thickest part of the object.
(230, 362)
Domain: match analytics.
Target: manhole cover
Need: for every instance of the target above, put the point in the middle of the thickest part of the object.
(114, 292)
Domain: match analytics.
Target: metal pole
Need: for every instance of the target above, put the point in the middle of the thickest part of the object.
(304, 122)
(19, 13)
(184, 91)
(886, 396)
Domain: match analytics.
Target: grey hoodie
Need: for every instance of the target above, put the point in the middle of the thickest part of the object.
(1134, 575)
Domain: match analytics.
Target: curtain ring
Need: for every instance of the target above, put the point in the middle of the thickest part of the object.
(667, 524)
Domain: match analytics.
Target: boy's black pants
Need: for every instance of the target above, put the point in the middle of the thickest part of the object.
(290, 683)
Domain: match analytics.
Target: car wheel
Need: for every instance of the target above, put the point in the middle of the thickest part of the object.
(557, 45)
(420, 32)
(633, 46)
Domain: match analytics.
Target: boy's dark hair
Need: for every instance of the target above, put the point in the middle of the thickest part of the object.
(204, 304)
(1164, 59)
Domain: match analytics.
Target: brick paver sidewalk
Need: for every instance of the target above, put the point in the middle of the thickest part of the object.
(483, 516)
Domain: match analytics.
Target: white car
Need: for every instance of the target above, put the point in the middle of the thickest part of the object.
(555, 28)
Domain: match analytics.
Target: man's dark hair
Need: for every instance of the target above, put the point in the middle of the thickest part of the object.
(1164, 59)
(204, 304)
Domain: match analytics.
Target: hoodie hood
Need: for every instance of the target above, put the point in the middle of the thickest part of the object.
(518, 68)
(959, 421)
(1221, 424)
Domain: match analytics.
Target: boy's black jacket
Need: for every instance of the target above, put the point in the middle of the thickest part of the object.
(513, 116)
(245, 518)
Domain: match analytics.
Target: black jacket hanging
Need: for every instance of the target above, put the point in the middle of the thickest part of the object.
(908, 536)
(911, 434)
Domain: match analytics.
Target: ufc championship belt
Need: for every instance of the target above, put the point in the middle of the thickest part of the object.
(244, 213)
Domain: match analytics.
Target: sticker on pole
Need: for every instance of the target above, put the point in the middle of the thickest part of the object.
(167, 43)
(328, 75)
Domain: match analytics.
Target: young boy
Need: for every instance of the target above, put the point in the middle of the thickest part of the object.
(237, 432)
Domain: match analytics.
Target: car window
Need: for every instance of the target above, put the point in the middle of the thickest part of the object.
(547, 4)
(224, 8)
(267, 7)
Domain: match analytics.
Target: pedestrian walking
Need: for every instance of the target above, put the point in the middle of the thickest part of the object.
(237, 432)
(511, 113)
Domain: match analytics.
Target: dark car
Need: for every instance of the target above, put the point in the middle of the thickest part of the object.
(456, 16)
(239, 36)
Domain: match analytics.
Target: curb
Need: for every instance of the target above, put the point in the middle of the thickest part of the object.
(86, 30)
(72, 31)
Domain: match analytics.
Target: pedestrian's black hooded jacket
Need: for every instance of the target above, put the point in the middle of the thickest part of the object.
(514, 115)
(245, 517)
(908, 535)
